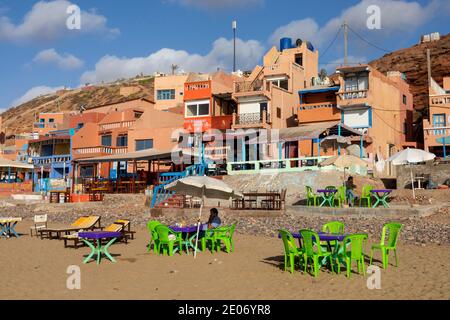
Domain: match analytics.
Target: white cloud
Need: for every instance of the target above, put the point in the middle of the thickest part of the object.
(110, 68)
(397, 16)
(215, 4)
(33, 93)
(46, 21)
(63, 61)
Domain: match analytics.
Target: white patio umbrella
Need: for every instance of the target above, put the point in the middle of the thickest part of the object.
(344, 161)
(409, 156)
(203, 187)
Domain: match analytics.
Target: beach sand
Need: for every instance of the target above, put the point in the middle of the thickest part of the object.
(36, 269)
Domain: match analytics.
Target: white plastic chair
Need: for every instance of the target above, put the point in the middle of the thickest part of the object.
(40, 222)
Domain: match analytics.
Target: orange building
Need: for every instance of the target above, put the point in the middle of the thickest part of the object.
(380, 106)
(436, 127)
(169, 91)
(48, 122)
(268, 98)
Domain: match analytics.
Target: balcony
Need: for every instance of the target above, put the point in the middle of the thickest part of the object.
(98, 151)
(251, 120)
(432, 133)
(116, 125)
(440, 100)
(319, 111)
(52, 160)
(197, 90)
(252, 88)
(350, 98)
(202, 124)
(282, 69)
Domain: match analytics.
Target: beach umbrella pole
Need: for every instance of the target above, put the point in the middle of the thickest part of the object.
(198, 223)
(412, 183)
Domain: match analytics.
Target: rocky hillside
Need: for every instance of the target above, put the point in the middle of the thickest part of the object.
(413, 63)
(21, 118)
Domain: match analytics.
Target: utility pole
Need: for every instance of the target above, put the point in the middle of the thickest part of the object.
(234, 26)
(345, 43)
(429, 67)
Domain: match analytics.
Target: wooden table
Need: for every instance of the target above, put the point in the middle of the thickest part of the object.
(271, 198)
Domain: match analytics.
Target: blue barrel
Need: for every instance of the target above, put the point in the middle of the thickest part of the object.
(285, 43)
(309, 46)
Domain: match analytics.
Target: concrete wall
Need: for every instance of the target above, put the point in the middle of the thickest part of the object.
(175, 82)
(439, 173)
(131, 104)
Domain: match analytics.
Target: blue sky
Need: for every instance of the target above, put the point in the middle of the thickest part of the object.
(38, 54)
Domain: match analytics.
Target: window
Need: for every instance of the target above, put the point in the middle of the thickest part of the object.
(166, 94)
(279, 113)
(197, 109)
(404, 99)
(86, 171)
(299, 59)
(144, 144)
(137, 114)
(356, 82)
(106, 140)
(80, 125)
(122, 140)
(51, 120)
(405, 128)
(439, 121)
(281, 83)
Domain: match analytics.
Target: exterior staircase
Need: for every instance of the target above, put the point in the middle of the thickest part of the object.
(164, 198)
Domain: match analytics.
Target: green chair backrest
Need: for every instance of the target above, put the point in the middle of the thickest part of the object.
(151, 225)
(334, 227)
(163, 232)
(366, 190)
(290, 246)
(222, 232)
(311, 242)
(330, 188)
(392, 230)
(232, 228)
(341, 193)
(354, 244)
(309, 192)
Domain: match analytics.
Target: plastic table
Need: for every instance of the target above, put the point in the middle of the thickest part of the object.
(7, 227)
(97, 236)
(189, 233)
(381, 196)
(327, 196)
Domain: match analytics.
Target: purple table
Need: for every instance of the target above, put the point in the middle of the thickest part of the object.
(381, 195)
(99, 249)
(190, 234)
(327, 196)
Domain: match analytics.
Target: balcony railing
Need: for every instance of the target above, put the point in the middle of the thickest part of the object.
(252, 118)
(43, 125)
(100, 150)
(116, 125)
(249, 86)
(194, 86)
(52, 159)
(357, 94)
(440, 100)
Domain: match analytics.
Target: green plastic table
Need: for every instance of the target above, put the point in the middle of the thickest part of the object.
(381, 196)
(97, 236)
(327, 197)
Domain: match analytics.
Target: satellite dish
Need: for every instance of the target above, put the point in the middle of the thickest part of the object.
(299, 42)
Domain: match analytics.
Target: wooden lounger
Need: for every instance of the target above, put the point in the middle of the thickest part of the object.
(83, 223)
(123, 226)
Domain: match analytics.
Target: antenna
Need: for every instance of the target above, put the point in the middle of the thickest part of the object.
(234, 26)
(345, 25)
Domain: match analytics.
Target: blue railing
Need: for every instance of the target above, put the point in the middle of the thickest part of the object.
(160, 194)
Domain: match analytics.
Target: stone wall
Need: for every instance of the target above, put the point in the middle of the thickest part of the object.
(438, 172)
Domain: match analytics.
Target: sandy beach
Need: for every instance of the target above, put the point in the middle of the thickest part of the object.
(36, 269)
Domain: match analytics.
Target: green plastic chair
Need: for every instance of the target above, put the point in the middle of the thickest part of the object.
(153, 236)
(290, 250)
(352, 249)
(312, 250)
(311, 197)
(366, 195)
(336, 227)
(208, 237)
(224, 234)
(341, 195)
(166, 243)
(393, 231)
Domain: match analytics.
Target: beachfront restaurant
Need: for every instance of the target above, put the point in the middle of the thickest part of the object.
(15, 177)
(130, 172)
(299, 148)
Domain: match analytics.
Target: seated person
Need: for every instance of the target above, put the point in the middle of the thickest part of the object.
(349, 193)
(213, 221)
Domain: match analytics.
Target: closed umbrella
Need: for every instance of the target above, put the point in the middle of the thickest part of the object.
(410, 156)
(203, 187)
